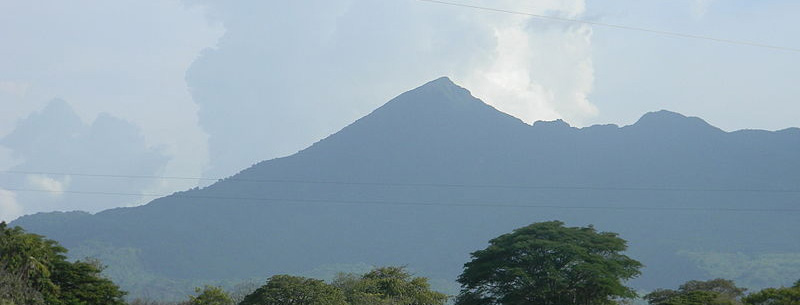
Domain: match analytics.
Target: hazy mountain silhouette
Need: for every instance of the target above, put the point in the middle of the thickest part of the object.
(435, 173)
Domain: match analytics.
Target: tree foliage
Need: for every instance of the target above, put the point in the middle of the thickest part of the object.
(210, 295)
(16, 289)
(241, 290)
(295, 290)
(38, 267)
(775, 296)
(712, 292)
(547, 263)
(388, 285)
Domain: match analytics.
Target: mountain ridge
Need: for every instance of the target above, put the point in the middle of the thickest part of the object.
(434, 173)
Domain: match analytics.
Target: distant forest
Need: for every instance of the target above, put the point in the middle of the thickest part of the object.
(542, 263)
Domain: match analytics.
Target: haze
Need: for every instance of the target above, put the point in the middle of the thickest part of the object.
(207, 88)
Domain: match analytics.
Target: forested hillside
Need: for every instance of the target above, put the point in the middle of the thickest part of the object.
(435, 173)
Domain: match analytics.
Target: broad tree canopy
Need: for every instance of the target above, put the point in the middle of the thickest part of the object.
(388, 285)
(547, 263)
(295, 290)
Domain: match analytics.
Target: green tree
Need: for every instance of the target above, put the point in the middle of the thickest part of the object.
(775, 296)
(700, 297)
(210, 295)
(16, 289)
(39, 264)
(81, 283)
(712, 292)
(241, 290)
(295, 290)
(661, 296)
(547, 263)
(725, 288)
(30, 258)
(388, 285)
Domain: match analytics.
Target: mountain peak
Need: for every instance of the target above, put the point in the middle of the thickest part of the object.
(443, 81)
(436, 112)
(669, 120)
(662, 115)
(443, 89)
(440, 99)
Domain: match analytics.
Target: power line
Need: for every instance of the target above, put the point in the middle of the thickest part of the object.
(620, 27)
(408, 184)
(105, 175)
(413, 203)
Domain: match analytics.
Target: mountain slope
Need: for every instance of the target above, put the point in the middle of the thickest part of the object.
(434, 173)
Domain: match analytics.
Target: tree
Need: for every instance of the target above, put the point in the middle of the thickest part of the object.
(39, 266)
(698, 297)
(295, 290)
(210, 295)
(712, 292)
(547, 263)
(30, 258)
(661, 296)
(16, 289)
(81, 283)
(725, 288)
(775, 296)
(388, 285)
(241, 290)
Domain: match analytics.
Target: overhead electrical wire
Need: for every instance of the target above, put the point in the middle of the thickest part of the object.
(415, 203)
(619, 27)
(449, 185)
(411, 184)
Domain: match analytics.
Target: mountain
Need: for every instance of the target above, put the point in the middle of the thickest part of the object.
(435, 173)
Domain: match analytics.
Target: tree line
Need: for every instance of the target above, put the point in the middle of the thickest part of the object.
(544, 263)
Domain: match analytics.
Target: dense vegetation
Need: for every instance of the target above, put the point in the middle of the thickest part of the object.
(723, 292)
(713, 292)
(543, 263)
(34, 270)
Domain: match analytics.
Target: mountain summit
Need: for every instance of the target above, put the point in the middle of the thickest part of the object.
(436, 104)
(434, 173)
(667, 120)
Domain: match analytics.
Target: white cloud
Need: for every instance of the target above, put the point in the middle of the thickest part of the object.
(291, 73)
(10, 209)
(56, 140)
(55, 187)
(538, 72)
(538, 69)
(132, 67)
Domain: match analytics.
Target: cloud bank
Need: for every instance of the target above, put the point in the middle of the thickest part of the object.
(9, 207)
(287, 73)
(125, 58)
(55, 140)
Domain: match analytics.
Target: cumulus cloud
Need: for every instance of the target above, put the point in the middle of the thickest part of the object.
(54, 186)
(287, 73)
(10, 209)
(538, 72)
(55, 140)
(126, 58)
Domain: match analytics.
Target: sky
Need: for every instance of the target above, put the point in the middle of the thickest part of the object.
(202, 88)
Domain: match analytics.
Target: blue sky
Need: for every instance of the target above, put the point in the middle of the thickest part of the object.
(205, 88)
